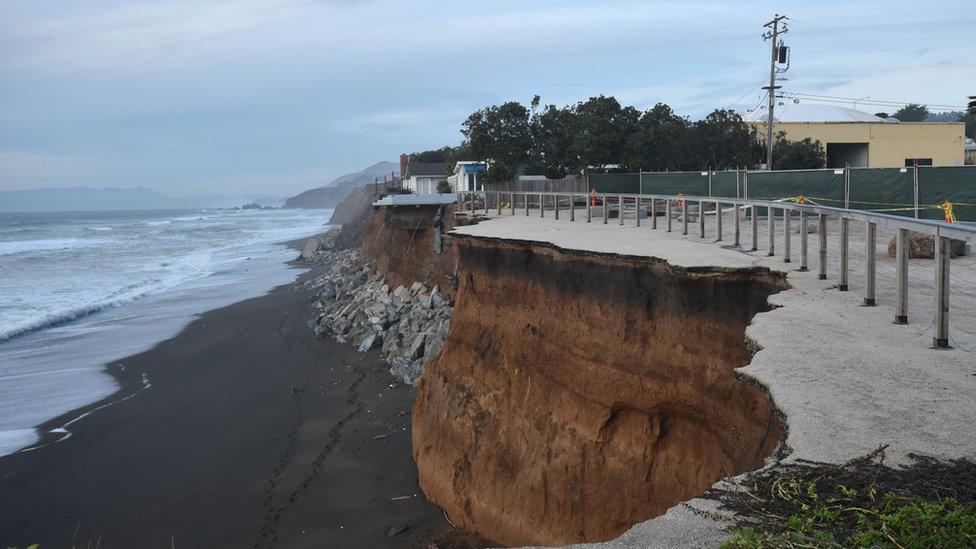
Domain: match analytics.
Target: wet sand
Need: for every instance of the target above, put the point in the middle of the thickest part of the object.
(252, 433)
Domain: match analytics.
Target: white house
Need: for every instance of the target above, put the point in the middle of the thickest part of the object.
(421, 177)
(465, 176)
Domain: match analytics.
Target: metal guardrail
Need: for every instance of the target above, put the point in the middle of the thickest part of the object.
(943, 233)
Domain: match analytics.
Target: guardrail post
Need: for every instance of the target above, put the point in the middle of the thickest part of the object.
(498, 197)
(512, 203)
(542, 205)
(787, 218)
(637, 209)
(606, 210)
(804, 224)
(754, 225)
(572, 207)
(620, 209)
(526, 195)
(653, 213)
(942, 253)
(701, 219)
(735, 225)
(486, 204)
(684, 216)
(771, 226)
(822, 235)
(667, 213)
(844, 240)
(589, 211)
(901, 277)
(718, 221)
(556, 204)
(472, 201)
(870, 263)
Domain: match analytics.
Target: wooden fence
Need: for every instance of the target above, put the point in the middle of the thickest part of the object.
(564, 185)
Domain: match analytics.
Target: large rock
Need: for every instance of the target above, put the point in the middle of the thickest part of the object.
(311, 246)
(416, 348)
(922, 246)
(407, 370)
(367, 343)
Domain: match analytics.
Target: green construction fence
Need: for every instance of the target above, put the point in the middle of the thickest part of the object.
(888, 190)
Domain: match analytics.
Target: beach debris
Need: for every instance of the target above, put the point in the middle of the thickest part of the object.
(397, 529)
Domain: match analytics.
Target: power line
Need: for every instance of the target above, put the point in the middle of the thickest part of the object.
(875, 102)
(736, 102)
(832, 36)
(877, 46)
(901, 57)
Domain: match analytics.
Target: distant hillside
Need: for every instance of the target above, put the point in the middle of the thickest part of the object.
(337, 189)
(322, 197)
(380, 170)
(106, 198)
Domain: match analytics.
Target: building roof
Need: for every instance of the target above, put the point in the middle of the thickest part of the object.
(425, 169)
(805, 112)
(416, 199)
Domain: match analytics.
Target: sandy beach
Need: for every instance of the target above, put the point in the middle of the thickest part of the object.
(251, 433)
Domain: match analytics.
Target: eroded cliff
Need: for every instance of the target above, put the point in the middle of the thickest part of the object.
(579, 393)
(408, 244)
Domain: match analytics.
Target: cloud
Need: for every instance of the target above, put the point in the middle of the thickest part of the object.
(222, 94)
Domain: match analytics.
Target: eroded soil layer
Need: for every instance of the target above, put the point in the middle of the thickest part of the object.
(579, 393)
(409, 245)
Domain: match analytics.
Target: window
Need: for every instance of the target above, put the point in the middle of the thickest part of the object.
(909, 162)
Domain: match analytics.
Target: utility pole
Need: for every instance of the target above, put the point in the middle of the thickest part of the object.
(773, 35)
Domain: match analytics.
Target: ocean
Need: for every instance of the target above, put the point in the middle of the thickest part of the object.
(80, 290)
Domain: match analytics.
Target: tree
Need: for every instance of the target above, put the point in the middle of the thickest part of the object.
(447, 154)
(805, 154)
(722, 140)
(970, 118)
(444, 187)
(552, 141)
(500, 134)
(913, 112)
(601, 131)
(657, 143)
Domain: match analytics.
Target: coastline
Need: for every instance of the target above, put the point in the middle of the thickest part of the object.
(110, 301)
(252, 432)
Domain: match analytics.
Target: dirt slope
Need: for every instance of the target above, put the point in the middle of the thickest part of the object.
(578, 394)
(408, 245)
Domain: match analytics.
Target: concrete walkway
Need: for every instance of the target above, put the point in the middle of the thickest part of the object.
(847, 377)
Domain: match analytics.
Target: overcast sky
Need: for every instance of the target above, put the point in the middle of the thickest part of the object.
(277, 96)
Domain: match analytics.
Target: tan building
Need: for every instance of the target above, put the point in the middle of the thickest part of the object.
(865, 140)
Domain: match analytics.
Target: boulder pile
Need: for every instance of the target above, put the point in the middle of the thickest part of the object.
(357, 306)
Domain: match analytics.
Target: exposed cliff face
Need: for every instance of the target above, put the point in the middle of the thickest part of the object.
(408, 245)
(578, 394)
(353, 214)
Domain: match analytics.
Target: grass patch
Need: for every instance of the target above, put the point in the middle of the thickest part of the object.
(861, 503)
